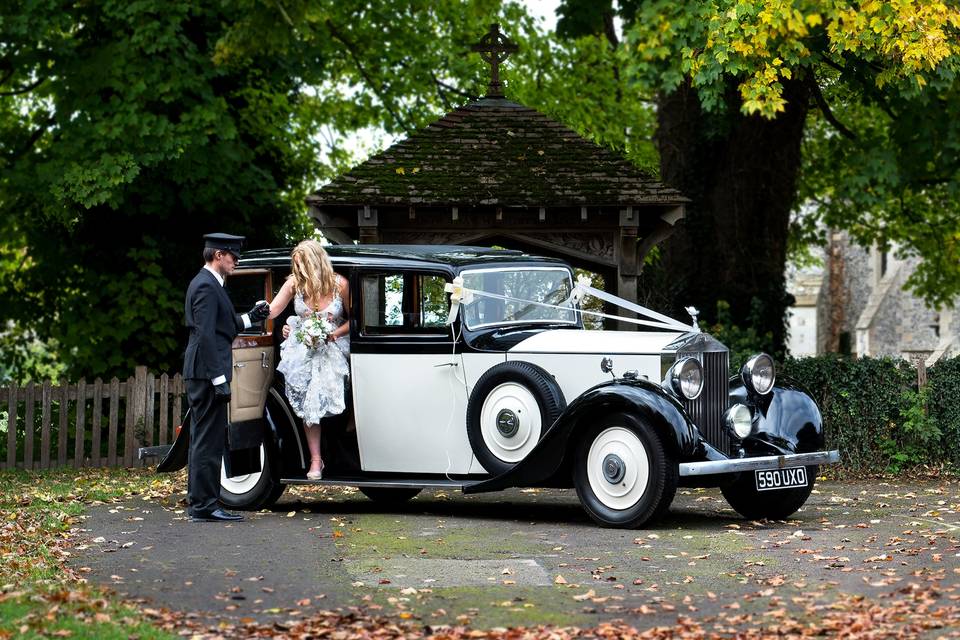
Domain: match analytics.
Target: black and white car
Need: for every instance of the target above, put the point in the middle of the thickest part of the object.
(471, 368)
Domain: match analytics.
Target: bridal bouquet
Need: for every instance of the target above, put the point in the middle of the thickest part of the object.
(313, 331)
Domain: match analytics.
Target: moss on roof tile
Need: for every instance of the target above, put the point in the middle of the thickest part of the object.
(494, 151)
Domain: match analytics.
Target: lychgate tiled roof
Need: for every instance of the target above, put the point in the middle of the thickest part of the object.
(495, 152)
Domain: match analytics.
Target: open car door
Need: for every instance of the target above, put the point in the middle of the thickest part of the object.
(253, 364)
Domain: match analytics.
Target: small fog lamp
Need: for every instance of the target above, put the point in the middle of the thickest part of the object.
(739, 421)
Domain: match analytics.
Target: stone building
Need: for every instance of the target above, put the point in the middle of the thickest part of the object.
(857, 304)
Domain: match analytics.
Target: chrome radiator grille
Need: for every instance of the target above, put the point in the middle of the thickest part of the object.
(707, 410)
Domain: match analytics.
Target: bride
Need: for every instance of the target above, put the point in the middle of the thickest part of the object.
(314, 358)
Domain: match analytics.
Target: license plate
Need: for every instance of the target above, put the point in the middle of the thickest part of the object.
(789, 478)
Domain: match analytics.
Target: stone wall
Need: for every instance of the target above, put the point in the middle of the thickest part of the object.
(901, 325)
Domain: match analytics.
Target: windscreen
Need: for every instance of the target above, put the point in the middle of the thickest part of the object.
(518, 292)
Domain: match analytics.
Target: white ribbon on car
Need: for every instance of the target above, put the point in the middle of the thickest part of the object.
(463, 295)
(458, 294)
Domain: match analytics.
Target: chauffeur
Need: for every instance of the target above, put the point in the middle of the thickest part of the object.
(207, 371)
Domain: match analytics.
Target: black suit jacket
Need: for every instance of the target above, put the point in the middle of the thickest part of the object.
(213, 324)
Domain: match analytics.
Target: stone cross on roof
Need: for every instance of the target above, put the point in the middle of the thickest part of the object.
(494, 48)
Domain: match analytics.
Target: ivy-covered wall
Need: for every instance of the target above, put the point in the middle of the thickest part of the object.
(874, 413)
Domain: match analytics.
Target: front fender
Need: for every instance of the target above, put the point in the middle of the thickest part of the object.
(548, 463)
(787, 420)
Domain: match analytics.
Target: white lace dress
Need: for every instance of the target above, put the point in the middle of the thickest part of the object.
(315, 378)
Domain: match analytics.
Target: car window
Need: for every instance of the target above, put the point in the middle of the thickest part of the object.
(519, 295)
(404, 302)
(245, 289)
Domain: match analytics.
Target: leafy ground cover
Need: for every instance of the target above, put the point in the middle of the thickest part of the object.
(867, 560)
(40, 595)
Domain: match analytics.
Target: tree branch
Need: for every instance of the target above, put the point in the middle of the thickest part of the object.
(26, 89)
(377, 89)
(868, 87)
(453, 89)
(825, 109)
(32, 140)
(609, 29)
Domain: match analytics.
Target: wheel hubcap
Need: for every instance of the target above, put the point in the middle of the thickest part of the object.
(613, 468)
(508, 423)
(618, 469)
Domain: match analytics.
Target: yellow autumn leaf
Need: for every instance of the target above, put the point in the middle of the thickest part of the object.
(400, 171)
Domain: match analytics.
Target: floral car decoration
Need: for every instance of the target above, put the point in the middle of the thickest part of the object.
(472, 368)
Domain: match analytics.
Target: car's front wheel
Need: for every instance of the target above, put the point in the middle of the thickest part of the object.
(623, 474)
(251, 491)
(777, 504)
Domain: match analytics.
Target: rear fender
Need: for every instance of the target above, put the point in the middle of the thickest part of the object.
(288, 435)
(284, 435)
(549, 462)
(176, 457)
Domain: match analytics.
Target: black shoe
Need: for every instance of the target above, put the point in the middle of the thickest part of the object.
(218, 515)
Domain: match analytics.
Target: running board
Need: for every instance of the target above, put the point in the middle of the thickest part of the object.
(387, 484)
(760, 463)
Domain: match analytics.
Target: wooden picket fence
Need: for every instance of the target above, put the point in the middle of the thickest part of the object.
(81, 424)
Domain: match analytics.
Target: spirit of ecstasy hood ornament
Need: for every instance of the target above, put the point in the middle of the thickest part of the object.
(693, 315)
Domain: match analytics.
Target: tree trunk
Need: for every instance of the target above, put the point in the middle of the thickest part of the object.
(741, 174)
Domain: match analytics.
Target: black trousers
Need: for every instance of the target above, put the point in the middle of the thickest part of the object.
(207, 441)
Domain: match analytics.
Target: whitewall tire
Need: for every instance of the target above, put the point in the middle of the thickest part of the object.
(251, 491)
(623, 474)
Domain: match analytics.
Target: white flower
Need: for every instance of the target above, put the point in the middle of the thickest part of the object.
(314, 331)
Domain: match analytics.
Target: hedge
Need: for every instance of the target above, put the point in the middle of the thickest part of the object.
(877, 417)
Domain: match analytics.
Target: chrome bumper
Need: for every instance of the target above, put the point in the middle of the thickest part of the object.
(735, 465)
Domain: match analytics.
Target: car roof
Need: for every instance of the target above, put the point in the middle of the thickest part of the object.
(455, 256)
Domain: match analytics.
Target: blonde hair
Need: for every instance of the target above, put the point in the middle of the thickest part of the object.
(311, 271)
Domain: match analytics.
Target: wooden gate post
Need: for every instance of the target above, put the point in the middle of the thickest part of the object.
(13, 402)
(137, 401)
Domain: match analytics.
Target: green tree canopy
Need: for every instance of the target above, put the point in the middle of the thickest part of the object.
(130, 129)
(878, 80)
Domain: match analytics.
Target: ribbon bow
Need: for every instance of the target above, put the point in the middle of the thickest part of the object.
(580, 289)
(458, 294)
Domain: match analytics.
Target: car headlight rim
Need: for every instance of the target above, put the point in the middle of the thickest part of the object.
(738, 420)
(686, 378)
(759, 374)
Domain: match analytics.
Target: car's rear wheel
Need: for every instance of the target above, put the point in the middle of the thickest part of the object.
(251, 491)
(390, 495)
(623, 474)
(777, 504)
(511, 407)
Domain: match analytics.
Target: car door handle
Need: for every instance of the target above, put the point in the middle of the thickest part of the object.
(239, 365)
(446, 364)
(263, 360)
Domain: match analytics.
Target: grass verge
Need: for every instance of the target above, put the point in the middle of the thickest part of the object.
(40, 595)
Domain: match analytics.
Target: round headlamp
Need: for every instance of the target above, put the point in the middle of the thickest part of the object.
(686, 377)
(739, 421)
(758, 374)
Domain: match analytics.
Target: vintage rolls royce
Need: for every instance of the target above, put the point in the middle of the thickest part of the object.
(471, 368)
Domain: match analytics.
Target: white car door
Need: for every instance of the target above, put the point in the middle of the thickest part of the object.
(409, 395)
